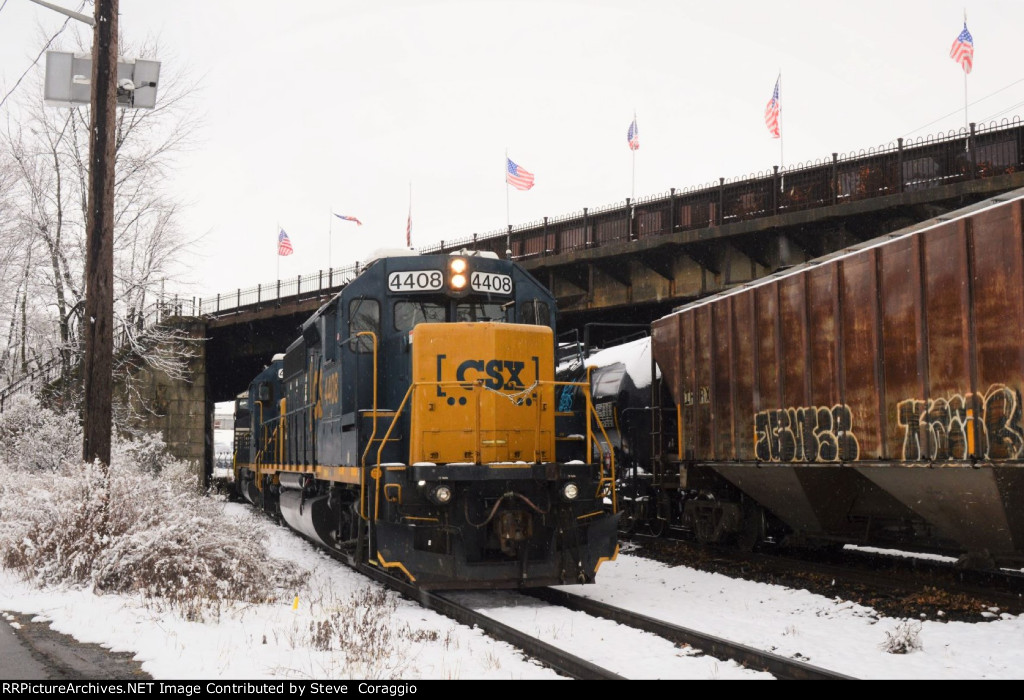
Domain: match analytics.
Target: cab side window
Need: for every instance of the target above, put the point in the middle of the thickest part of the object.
(330, 339)
(535, 312)
(363, 315)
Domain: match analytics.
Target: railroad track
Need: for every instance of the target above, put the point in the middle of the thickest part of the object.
(571, 665)
(781, 667)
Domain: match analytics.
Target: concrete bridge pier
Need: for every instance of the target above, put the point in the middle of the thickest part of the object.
(180, 408)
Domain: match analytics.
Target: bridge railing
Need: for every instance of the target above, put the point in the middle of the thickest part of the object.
(901, 166)
(307, 286)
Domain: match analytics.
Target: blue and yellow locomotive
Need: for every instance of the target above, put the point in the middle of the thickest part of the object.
(415, 425)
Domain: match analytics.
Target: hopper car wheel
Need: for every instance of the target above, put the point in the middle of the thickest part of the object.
(657, 526)
(627, 520)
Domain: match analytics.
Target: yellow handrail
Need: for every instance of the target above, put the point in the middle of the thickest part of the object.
(380, 450)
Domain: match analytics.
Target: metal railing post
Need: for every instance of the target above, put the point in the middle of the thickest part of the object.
(775, 189)
(835, 177)
(672, 210)
(721, 201)
(899, 163)
(971, 153)
(630, 235)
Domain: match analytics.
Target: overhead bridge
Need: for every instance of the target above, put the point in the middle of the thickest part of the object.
(635, 261)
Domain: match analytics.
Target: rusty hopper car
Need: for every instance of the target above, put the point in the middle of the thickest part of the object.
(870, 397)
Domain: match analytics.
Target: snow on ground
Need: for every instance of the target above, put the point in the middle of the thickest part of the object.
(276, 640)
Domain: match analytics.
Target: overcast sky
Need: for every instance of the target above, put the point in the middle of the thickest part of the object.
(322, 106)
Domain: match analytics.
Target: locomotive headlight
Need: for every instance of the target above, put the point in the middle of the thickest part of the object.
(458, 267)
(570, 490)
(441, 495)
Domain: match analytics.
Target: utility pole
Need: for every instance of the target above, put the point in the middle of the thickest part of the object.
(99, 253)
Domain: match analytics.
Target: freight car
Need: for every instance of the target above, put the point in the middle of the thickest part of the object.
(413, 425)
(869, 397)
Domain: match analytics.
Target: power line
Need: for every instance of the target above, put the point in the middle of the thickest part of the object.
(978, 101)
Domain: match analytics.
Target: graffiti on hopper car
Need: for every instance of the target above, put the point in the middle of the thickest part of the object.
(985, 425)
(805, 434)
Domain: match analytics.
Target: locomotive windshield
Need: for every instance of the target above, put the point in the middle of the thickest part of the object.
(480, 311)
(411, 313)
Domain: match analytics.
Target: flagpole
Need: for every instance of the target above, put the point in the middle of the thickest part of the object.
(330, 237)
(279, 252)
(408, 221)
(632, 192)
(782, 161)
(508, 226)
(966, 125)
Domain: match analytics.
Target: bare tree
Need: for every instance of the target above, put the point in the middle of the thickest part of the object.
(44, 170)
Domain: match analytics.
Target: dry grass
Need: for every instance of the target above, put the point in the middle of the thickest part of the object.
(138, 526)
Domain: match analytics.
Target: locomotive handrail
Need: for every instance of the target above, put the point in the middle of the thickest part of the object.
(373, 435)
(592, 412)
(281, 431)
(373, 432)
(384, 441)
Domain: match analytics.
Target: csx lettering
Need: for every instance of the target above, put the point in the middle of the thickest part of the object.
(501, 374)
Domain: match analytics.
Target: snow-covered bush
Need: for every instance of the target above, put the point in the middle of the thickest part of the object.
(36, 438)
(148, 452)
(124, 529)
(904, 639)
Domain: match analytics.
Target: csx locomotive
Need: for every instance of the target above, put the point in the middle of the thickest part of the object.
(869, 397)
(414, 425)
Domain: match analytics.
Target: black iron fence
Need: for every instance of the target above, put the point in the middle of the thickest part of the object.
(967, 154)
(903, 166)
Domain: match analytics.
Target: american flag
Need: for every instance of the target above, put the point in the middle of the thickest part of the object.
(349, 218)
(408, 229)
(962, 50)
(284, 244)
(771, 112)
(516, 176)
(633, 136)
